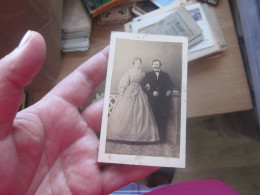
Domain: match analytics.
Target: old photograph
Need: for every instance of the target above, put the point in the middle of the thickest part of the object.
(144, 116)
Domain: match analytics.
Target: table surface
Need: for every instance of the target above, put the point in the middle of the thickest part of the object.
(216, 85)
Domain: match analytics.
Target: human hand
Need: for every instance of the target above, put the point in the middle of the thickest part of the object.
(51, 147)
(121, 91)
(147, 87)
(155, 93)
(168, 93)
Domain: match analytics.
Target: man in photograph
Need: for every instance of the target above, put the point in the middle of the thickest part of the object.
(158, 86)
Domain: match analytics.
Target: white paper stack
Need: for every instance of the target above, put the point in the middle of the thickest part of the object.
(76, 27)
(207, 42)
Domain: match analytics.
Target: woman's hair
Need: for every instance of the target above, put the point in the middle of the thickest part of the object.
(135, 59)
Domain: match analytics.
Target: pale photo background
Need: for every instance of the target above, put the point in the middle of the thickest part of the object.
(170, 55)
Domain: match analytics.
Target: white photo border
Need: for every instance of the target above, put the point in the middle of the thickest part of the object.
(136, 159)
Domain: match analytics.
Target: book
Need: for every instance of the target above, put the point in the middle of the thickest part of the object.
(76, 27)
(178, 23)
(162, 3)
(157, 12)
(96, 7)
(73, 35)
(75, 18)
(212, 40)
(144, 7)
(78, 44)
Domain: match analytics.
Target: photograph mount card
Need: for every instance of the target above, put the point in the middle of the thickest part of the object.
(144, 115)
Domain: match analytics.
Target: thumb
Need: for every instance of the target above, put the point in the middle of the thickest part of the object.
(17, 69)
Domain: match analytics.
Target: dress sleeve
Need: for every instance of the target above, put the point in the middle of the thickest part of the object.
(124, 82)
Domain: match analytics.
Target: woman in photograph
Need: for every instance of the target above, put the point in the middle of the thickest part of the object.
(132, 119)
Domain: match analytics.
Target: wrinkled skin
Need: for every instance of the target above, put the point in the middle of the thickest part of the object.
(51, 147)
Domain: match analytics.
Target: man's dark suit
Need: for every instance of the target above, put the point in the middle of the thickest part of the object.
(160, 104)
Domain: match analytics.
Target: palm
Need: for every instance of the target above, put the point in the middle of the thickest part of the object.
(51, 147)
(63, 150)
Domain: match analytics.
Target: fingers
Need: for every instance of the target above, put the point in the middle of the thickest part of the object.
(78, 86)
(17, 70)
(117, 176)
(93, 115)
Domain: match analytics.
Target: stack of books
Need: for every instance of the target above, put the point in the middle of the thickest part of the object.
(76, 27)
(194, 20)
(97, 7)
(142, 7)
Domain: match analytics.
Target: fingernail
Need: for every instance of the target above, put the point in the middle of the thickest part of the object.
(25, 39)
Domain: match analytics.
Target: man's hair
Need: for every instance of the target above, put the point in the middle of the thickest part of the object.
(135, 59)
(157, 61)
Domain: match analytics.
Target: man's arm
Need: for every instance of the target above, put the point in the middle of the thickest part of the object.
(146, 86)
(168, 85)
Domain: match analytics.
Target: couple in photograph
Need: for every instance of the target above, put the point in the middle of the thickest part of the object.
(143, 105)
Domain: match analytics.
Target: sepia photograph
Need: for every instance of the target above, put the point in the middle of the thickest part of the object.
(144, 116)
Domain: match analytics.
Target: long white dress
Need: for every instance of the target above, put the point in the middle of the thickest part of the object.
(132, 118)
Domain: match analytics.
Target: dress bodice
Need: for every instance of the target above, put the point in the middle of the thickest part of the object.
(135, 76)
(130, 82)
